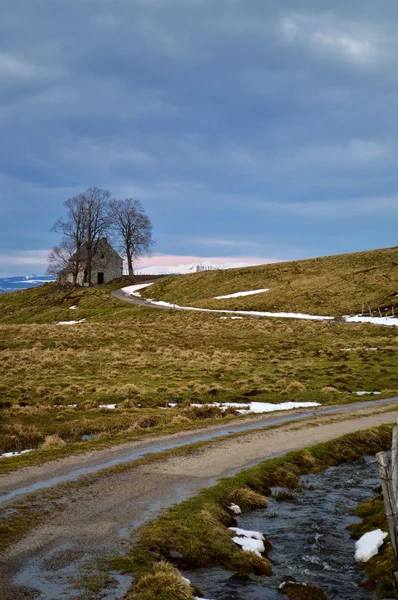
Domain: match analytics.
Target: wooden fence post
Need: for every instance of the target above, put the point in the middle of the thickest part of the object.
(389, 484)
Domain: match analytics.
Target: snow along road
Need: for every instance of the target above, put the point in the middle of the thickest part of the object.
(131, 294)
(98, 517)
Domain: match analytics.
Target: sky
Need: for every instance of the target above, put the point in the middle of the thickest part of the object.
(253, 130)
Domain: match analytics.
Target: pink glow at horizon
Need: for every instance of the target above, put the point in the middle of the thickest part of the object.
(175, 259)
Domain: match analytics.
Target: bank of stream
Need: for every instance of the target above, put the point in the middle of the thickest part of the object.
(308, 532)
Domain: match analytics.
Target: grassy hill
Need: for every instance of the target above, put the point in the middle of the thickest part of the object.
(330, 285)
(52, 302)
(55, 379)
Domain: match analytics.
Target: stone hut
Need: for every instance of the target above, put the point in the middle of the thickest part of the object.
(106, 265)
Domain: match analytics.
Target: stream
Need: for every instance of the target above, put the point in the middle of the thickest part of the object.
(309, 537)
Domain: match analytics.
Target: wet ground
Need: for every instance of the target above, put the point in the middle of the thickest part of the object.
(309, 537)
(32, 479)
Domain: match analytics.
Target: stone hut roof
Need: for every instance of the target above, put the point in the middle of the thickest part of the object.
(103, 246)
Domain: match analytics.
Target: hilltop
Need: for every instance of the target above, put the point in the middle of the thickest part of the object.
(329, 285)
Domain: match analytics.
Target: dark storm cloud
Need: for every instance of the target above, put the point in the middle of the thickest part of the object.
(264, 128)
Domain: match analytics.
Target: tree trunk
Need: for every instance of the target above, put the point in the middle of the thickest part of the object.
(88, 270)
(130, 267)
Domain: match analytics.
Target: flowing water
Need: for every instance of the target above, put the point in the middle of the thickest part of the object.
(309, 537)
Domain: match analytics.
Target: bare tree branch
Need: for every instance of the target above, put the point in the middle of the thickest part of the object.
(131, 228)
(85, 224)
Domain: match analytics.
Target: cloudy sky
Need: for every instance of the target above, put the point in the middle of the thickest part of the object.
(249, 129)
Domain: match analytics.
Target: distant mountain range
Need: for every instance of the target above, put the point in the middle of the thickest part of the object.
(13, 284)
(190, 268)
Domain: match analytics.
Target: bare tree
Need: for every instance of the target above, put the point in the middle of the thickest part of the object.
(96, 214)
(131, 228)
(62, 258)
(85, 224)
(73, 230)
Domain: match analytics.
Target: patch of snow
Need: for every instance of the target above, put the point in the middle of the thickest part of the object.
(354, 349)
(238, 294)
(256, 535)
(235, 509)
(133, 290)
(110, 406)
(172, 404)
(231, 318)
(390, 321)
(364, 393)
(368, 545)
(70, 322)
(188, 581)
(252, 313)
(260, 407)
(10, 454)
(72, 405)
(250, 541)
(73, 307)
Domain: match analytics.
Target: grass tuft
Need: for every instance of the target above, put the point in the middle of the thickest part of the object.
(248, 499)
(165, 582)
(303, 591)
(52, 441)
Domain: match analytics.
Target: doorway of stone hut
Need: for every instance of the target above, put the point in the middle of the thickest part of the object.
(100, 278)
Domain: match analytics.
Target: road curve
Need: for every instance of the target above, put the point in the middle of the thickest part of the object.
(120, 295)
(99, 517)
(49, 474)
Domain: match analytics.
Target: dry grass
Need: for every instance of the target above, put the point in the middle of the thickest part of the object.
(51, 442)
(143, 359)
(330, 285)
(248, 499)
(199, 413)
(299, 591)
(296, 386)
(165, 582)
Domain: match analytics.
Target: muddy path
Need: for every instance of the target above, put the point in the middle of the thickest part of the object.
(99, 518)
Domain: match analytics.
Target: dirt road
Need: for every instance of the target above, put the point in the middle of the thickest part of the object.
(99, 518)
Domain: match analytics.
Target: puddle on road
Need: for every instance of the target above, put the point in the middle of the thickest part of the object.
(152, 446)
(57, 575)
